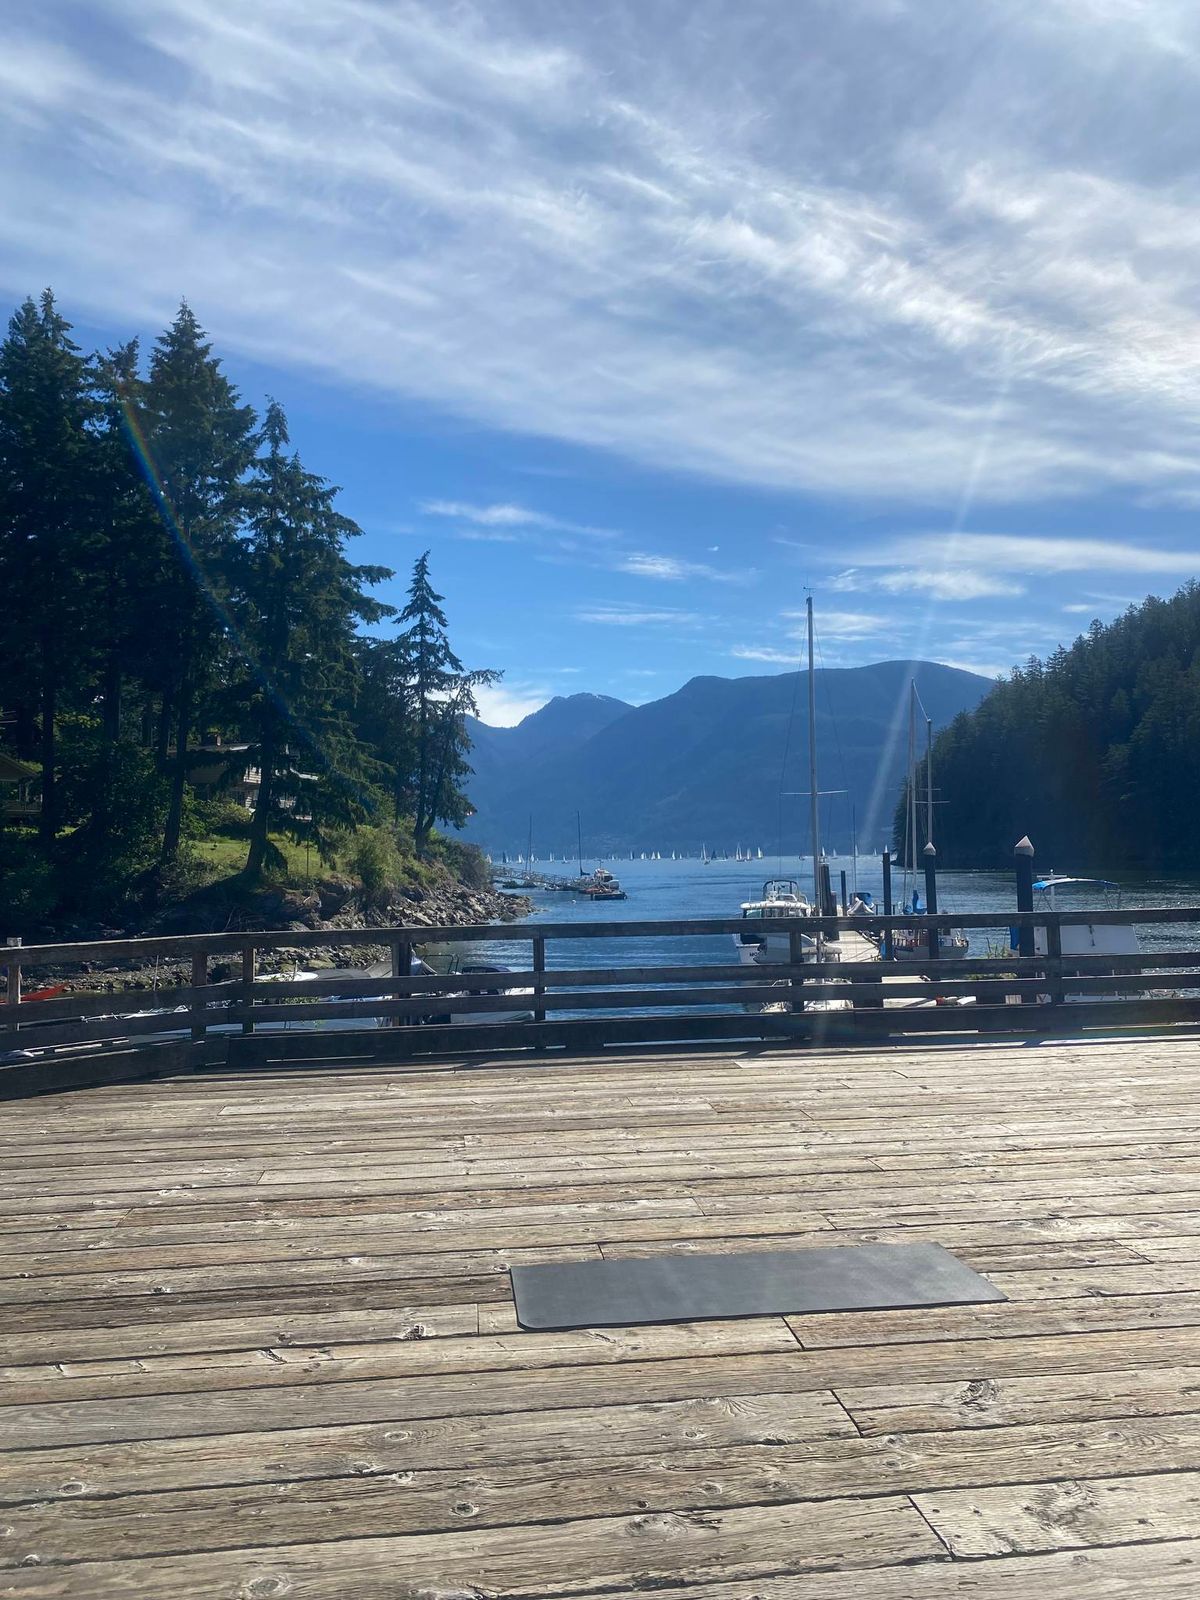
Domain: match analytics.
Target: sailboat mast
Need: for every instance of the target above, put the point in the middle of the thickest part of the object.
(814, 800)
(910, 864)
(928, 780)
(579, 841)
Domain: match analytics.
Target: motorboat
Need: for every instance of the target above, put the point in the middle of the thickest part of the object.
(780, 900)
(482, 1015)
(1116, 938)
(600, 885)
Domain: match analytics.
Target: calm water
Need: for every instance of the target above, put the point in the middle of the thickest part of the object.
(675, 889)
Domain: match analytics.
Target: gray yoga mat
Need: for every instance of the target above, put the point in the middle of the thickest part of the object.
(689, 1288)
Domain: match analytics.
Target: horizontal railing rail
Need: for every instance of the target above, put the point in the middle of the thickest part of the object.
(539, 1004)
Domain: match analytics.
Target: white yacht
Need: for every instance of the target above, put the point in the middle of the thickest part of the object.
(756, 943)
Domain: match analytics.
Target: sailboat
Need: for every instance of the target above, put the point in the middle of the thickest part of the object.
(597, 885)
(912, 944)
(782, 900)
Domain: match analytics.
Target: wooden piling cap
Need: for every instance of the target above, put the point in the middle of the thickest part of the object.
(1023, 846)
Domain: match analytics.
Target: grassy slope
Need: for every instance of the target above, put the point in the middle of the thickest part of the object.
(227, 856)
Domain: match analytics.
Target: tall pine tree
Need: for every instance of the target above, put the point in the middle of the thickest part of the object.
(47, 531)
(443, 695)
(297, 600)
(199, 444)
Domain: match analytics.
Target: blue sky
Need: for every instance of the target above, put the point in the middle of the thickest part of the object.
(645, 316)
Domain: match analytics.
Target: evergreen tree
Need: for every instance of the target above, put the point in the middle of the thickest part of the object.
(298, 599)
(47, 531)
(125, 578)
(199, 442)
(442, 697)
(385, 720)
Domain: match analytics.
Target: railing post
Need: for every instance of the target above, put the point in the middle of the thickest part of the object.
(887, 902)
(845, 892)
(795, 957)
(1054, 967)
(1023, 861)
(539, 982)
(248, 970)
(198, 1005)
(401, 968)
(13, 988)
(931, 901)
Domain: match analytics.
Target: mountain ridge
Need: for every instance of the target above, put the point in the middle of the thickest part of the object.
(717, 761)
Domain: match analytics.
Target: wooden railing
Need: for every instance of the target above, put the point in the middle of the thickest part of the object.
(244, 1017)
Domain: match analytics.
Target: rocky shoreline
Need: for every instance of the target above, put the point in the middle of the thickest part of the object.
(332, 905)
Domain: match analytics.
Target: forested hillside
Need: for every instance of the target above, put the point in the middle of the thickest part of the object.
(184, 687)
(1095, 752)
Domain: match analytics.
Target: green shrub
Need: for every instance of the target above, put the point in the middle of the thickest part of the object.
(183, 876)
(466, 861)
(373, 857)
(28, 889)
(217, 815)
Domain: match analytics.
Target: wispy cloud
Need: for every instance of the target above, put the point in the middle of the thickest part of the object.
(949, 582)
(673, 569)
(1013, 554)
(507, 518)
(842, 626)
(749, 652)
(616, 615)
(984, 667)
(593, 224)
(988, 566)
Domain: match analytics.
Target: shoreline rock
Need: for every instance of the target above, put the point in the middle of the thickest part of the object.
(331, 906)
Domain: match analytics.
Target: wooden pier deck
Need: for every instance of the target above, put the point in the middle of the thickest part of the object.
(258, 1337)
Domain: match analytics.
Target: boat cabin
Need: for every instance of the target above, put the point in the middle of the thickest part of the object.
(781, 897)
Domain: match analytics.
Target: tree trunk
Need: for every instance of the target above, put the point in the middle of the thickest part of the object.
(112, 699)
(261, 823)
(420, 822)
(179, 770)
(110, 724)
(48, 822)
(162, 735)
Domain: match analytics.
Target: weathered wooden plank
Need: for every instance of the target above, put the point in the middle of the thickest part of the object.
(322, 1322)
(444, 1394)
(1004, 1397)
(410, 1353)
(464, 1444)
(1065, 1515)
(1038, 1317)
(1166, 1571)
(847, 1194)
(155, 1311)
(589, 1481)
(541, 1559)
(254, 1276)
(776, 1230)
(493, 1227)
